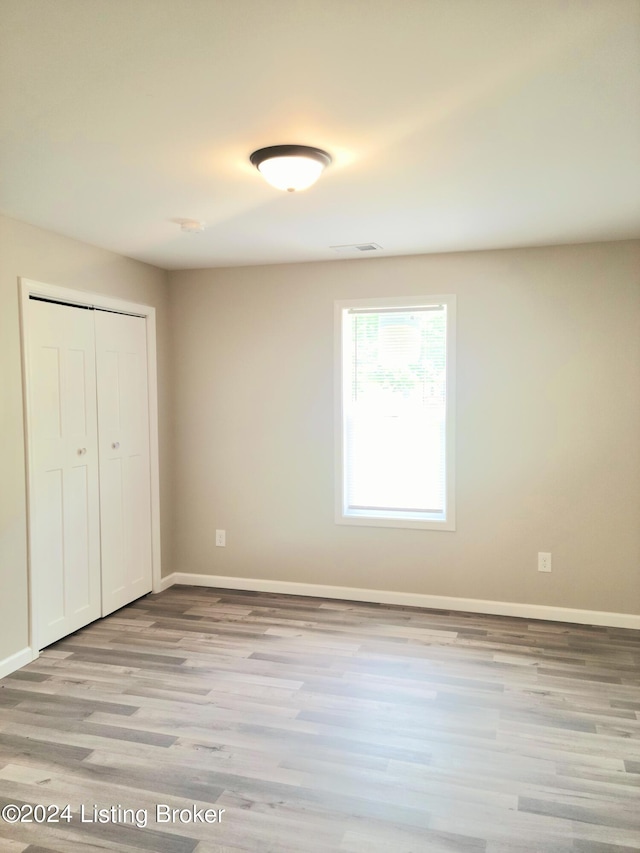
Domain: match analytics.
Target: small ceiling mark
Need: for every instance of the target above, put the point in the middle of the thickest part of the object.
(190, 226)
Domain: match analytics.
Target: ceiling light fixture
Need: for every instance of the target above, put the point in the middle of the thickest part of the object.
(290, 167)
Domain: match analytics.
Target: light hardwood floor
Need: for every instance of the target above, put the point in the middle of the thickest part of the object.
(322, 725)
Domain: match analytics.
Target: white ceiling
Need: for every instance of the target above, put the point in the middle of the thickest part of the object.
(453, 124)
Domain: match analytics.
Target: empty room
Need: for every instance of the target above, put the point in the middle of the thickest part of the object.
(320, 426)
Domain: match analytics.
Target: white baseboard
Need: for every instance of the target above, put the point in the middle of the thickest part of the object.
(167, 581)
(433, 602)
(13, 662)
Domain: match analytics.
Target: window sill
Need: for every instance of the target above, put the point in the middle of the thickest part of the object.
(408, 523)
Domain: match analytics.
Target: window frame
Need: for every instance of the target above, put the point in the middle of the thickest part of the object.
(341, 340)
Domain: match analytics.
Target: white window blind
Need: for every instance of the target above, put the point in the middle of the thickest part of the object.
(395, 407)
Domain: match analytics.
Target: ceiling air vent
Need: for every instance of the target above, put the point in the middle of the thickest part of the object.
(356, 247)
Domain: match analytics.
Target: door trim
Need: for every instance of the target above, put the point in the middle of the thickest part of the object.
(27, 288)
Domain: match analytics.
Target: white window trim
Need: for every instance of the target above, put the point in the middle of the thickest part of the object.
(340, 334)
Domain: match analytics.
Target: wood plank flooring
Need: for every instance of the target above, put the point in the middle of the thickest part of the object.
(320, 725)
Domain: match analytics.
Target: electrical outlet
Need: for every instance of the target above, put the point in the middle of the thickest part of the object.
(221, 539)
(544, 561)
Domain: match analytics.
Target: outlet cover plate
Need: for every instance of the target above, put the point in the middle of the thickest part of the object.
(544, 561)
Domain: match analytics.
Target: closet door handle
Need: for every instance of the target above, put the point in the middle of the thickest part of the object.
(82, 451)
(115, 445)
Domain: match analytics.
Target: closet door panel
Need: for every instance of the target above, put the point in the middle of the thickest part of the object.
(123, 425)
(65, 534)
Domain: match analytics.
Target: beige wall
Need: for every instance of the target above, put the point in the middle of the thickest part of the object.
(33, 253)
(548, 446)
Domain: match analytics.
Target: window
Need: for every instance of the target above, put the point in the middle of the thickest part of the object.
(395, 441)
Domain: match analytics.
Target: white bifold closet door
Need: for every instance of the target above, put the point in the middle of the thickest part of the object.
(123, 428)
(65, 505)
(90, 501)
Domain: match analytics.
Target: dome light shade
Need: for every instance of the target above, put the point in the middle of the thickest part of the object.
(290, 167)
